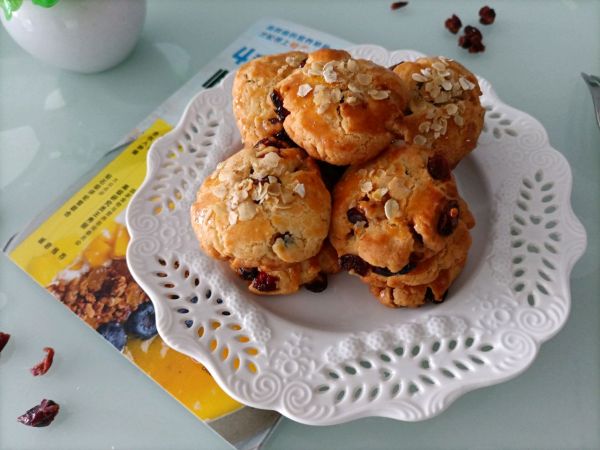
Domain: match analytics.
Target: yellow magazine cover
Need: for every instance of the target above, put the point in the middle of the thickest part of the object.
(78, 255)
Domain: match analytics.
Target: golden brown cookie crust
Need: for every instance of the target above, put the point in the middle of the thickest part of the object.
(252, 87)
(402, 216)
(342, 110)
(261, 207)
(444, 111)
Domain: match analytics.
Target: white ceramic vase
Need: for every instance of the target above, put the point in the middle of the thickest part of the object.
(81, 35)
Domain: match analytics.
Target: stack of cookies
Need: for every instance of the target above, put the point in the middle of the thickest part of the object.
(346, 164)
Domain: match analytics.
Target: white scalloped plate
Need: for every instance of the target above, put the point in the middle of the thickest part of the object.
(329, 358)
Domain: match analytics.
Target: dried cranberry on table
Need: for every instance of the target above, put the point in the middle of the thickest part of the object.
(4, 338)
(453, 24)
(472, 40)
(397, 5)
(487, 15)
(476, 46)
(40, 415)
(473, 32)
(42, 367)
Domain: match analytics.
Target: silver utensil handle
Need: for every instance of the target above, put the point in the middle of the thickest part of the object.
(593, 83)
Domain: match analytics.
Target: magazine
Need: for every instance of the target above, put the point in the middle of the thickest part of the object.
(76, 249)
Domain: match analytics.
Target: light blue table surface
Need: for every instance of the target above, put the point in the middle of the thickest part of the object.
(535, 52)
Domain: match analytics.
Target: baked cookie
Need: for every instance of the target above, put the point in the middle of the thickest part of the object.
(398, 222)
(253, 86)
(265, 208)
(339, 109)
(444, 112)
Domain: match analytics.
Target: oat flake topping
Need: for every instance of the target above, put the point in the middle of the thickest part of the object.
(357, 84)
(436, 86)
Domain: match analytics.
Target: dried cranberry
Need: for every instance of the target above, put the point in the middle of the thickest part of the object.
(270, 142)
(448, 219)
(42, 367)
(472, 40)
(383, 271)
(453, 24)
(355, 263)
(430, 297)
(278, 104)
(41, 415)
(487, 15)
(282, 136)
(474, 45)
(4, 338)
(477, 47)
(248, 273)
(473, 32)
(407, 268)
(265, 282)
(397, 5)
(355, 215)
(330, 174)
(318, 284)
(438, 168)
(302, 63)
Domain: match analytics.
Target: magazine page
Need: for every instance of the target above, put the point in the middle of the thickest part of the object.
(77, 249)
